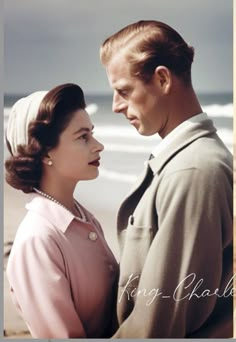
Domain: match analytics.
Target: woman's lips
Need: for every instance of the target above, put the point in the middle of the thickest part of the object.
(95, 162)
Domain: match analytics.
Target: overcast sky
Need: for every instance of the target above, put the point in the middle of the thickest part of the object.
(48, 42)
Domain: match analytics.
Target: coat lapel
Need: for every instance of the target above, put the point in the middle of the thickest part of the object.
(154, 166)
(190, 133)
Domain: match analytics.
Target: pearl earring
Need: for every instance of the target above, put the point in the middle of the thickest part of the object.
(50, 162)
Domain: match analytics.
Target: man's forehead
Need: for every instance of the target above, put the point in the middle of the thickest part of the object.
(118, 71)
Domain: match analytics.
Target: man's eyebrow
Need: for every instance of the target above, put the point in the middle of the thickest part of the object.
(122, 85)
(83, 129)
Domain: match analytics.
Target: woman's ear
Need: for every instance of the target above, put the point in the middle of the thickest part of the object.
(46, 160)
(163, 78)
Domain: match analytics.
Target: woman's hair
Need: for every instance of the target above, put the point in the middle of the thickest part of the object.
(148, 44)
(24, 170)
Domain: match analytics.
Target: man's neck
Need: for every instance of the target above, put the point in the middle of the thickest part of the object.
(183, 105)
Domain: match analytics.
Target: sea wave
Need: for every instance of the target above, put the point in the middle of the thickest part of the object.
(117, 176)
(125, 139)
(226, 135)
(91, 108)
(128, 148)
(216, 110)
(6, 112)
(111, 132)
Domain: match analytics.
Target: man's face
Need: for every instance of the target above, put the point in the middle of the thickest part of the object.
(144, 105)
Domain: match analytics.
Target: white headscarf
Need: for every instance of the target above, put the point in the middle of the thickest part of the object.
(22, 113)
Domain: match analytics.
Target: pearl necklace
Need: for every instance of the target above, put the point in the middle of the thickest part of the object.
(77, 206)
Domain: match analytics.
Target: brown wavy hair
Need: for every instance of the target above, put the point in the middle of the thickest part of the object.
(148, 44)
(57, 108)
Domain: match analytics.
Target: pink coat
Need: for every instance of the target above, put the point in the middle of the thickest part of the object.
(61, 279)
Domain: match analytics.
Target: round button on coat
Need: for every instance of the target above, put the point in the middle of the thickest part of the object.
(93, 236)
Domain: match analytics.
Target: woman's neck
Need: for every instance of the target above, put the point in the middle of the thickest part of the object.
(60, 191)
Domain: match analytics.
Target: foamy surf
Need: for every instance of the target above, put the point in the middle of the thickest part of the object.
(126, 140)
(216, 110)
(117, 176)
(91, 108)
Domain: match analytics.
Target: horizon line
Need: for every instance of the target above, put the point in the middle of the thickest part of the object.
(202, 92)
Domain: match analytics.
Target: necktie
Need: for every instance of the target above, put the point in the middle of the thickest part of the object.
(151, 156)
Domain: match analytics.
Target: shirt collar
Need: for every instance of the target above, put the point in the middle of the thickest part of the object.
(190, 131)
(59, 216)
(177, 131)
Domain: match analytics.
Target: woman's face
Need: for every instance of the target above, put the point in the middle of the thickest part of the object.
(76, 157)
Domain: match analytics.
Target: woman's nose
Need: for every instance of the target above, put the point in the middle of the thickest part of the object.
(98, 146)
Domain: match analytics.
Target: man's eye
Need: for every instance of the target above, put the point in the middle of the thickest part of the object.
(123, 92)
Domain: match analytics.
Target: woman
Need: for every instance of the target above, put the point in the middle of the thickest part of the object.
(62, 273)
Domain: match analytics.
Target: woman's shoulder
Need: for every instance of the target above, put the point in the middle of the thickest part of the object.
(34, 235)
(34, 226)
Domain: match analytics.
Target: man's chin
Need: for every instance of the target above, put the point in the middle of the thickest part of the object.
(142, 131)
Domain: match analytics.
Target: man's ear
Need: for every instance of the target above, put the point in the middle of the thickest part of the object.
(163, 78)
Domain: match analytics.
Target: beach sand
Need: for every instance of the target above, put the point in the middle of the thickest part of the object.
(14, 200)
(14, 326)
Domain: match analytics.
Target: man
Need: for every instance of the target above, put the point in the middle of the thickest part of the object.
(175, 226)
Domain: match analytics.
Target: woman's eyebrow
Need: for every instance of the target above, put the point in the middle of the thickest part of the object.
(84, 129)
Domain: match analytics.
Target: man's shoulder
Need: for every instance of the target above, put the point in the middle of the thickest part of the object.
(207, 155)
(204, 152)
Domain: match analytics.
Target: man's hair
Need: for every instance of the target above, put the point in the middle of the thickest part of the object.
(24, 170)
(148, 44)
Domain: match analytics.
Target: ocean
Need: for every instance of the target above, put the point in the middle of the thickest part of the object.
(125, 150)
(125, 153)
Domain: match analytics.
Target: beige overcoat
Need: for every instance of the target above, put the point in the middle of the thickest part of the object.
(175, 232)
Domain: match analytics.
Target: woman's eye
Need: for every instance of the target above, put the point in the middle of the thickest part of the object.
(84, 137)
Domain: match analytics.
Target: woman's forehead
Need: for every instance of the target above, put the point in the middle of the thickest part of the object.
(79, 119)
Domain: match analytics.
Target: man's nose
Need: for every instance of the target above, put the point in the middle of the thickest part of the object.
(118, 104)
